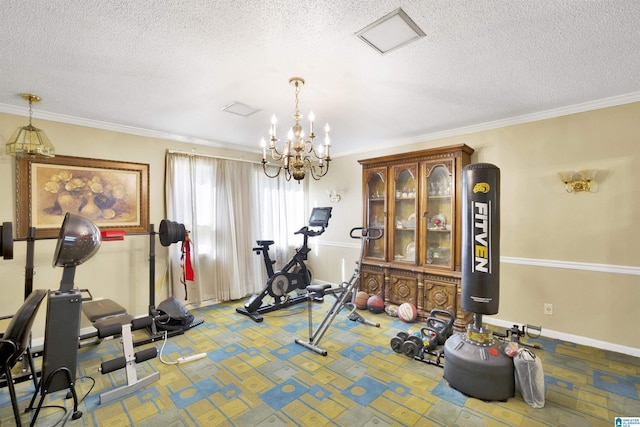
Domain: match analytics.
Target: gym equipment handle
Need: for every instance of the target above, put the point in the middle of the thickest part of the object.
(370, 233)
(121, 362)
(146, 354)
(109, 330)
(113, 365)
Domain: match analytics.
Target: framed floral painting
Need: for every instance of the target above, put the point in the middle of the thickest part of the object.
(112, 194)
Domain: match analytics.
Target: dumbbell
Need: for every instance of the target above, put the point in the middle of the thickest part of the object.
(398, 341)
(412, 346)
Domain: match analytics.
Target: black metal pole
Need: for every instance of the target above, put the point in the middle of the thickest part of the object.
(152, 272)
(28, 268)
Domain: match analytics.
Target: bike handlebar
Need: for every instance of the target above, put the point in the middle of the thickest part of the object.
(309, 232)
(371, 233)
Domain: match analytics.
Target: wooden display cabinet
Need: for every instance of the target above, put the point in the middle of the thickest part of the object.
(415, 198)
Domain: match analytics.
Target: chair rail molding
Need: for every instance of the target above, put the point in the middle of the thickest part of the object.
(573, 265)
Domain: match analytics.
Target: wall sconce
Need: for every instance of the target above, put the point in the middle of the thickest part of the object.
(577, 181)
(334, 197)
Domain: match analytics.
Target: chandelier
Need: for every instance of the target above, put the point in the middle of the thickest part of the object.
(29, 139)
(298, 155)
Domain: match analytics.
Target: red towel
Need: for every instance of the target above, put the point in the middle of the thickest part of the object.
(187, 269)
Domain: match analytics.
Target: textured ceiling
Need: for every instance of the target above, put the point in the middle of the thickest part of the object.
(170, 66)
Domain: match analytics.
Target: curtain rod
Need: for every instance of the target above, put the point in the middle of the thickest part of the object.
(212, 156)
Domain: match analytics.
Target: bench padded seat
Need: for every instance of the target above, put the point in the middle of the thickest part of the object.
(97, 310)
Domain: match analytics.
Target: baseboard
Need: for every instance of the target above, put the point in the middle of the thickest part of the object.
(203, 304)
(576, 339)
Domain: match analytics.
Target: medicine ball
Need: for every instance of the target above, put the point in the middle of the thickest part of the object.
(407, 312)
(375, 304)
(361, 300)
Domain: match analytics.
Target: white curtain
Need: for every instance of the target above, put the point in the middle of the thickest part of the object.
(227, 205)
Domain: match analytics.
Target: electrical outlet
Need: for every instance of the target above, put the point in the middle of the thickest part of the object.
(548, 309)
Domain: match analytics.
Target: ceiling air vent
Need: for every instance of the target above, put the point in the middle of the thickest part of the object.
(240, 109)
(390, 32)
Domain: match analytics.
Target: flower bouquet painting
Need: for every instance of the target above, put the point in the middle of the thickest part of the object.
(111, 194)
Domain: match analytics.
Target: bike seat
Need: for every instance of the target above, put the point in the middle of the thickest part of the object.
(265, 243)
(318, 289)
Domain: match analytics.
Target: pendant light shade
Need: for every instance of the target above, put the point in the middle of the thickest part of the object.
(29, 140)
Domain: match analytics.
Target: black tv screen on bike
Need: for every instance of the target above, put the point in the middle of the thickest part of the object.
(320, 217)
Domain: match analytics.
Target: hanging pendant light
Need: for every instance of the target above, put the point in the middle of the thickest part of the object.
(29, 140)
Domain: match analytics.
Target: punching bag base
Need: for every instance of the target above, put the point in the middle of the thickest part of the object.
(480, 371)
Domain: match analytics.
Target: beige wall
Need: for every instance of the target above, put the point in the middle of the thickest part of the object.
(570, 250)
(566, 249)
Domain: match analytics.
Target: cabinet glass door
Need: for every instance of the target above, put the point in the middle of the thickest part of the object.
(404, 214)
(376, 212)
(439, 188)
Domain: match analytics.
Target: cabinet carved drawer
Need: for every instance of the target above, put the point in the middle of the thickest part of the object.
(372, 281)
(403, 287)
(440, 295)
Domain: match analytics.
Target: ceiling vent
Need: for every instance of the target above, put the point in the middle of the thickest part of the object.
(390, 32)
(240, 109)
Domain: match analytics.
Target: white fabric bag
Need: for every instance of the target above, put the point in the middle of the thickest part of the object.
(530, 377)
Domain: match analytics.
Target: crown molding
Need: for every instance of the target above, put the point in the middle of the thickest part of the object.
(130, 130)
(613, 101)
(525, 118)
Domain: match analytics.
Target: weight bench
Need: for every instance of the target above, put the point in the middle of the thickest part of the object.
(105, 312)
(101, 313)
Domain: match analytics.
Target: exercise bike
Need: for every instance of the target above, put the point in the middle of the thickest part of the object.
(344, 294)
(294, 275)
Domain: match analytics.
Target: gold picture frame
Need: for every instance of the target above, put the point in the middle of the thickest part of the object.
(112, 194)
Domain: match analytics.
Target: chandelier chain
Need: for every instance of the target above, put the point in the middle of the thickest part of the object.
(297, 93)
(30, 109)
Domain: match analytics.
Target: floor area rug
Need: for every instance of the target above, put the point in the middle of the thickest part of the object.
(254, 374)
